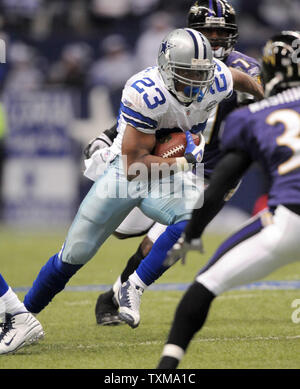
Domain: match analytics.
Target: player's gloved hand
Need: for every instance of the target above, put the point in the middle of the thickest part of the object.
(98, 143)
(180, 249)
(193, 153)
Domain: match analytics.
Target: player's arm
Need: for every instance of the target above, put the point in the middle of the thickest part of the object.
(228, 171)
(242, 82)
(137, 147)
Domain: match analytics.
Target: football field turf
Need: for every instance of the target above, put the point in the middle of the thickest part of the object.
(250, 328)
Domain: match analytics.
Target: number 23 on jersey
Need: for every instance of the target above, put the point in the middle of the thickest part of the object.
(154, 100)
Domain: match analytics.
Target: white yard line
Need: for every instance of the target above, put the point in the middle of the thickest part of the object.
(231, 339)
(111, 343)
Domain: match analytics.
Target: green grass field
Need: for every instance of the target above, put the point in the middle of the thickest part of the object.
(249, 329)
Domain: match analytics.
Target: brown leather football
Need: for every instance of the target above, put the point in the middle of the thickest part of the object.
(173, 145)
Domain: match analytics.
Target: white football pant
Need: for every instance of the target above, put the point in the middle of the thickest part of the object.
(261, 246)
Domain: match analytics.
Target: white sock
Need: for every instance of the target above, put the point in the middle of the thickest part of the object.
(11, 302)
(117, 285)
(137, 281)
(174, 351)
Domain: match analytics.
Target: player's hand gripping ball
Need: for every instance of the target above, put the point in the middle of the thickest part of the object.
(173, 145)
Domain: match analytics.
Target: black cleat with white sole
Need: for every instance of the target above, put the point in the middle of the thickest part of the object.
(106, 310)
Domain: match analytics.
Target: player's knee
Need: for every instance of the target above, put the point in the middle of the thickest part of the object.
(78, 253)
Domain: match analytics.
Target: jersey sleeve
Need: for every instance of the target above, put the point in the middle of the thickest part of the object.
(246, 65)
(237, 133)
(136, 108)
(223, 84)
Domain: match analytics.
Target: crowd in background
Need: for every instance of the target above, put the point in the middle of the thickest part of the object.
(81, 45)
(85, 43)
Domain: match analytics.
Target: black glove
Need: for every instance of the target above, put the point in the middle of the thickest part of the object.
(98, 143)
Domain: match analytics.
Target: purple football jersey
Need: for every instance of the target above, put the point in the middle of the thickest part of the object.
(244, 63)
(212, 152)
(269, 132)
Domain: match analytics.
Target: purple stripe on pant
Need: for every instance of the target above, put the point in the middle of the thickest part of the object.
(243, 234)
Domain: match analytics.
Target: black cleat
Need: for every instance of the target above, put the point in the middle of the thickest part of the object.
(106, 310)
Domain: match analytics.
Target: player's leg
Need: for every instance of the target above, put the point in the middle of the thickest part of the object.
(143, 250)
(106, 309)
(19, 327)
(10, 302)
(135, 224)
(170, 209)
(252, 253)
(149, 270)
(98, 216)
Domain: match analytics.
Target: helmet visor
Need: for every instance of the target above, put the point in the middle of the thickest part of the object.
(192, 82)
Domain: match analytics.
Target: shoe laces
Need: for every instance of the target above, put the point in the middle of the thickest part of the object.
(133, 296)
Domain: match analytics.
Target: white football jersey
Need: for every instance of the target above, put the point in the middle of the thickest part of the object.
(149, 107)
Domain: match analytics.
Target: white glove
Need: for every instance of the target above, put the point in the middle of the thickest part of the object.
(180, 249)
(95, 144)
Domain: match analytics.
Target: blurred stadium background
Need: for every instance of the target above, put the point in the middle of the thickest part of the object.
(66, 64)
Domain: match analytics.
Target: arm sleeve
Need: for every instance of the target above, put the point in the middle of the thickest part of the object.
(228, 171)
(111, 133)
(223, 81)
(134, 109)
(249, 66)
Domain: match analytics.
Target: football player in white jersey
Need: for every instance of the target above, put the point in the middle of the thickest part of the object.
(179, 92)
(14, 314)
(151, 267)
(216, 19)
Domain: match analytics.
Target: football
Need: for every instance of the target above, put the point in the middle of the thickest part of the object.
(173, 145)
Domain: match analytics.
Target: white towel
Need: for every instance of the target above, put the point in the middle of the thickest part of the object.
(97, 164)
